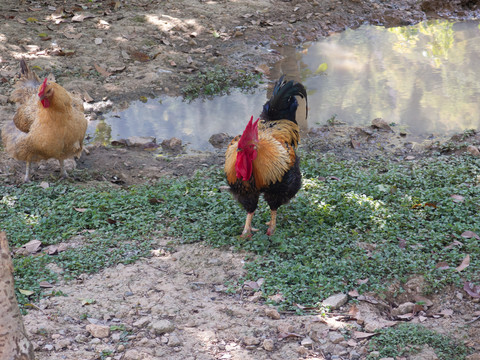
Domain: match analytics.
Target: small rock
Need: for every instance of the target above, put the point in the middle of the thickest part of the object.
(48, 347)
(335, 301)
(268, 344)
(98, 41)
(335, 337)
(116, 337)
(251, 340)
(80, 338)
(375, 354)
(161, 327)
(140, 141)
(302, 350)
(403, 309)
(121, 348)
(379, 123)
(174, 341)
(132, 355)
(307, 342)
(272, 313)
(219, 140)
(174, 144)
(62, 344)
(473, 150)
(98, 331)
(140, 323)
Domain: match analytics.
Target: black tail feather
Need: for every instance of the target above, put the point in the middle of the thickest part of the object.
(283, 104)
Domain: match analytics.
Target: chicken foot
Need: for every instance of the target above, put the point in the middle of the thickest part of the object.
(272, 223)
(247, 230)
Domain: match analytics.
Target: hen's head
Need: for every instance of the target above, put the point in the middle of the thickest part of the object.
(45, 93)
(247, 150)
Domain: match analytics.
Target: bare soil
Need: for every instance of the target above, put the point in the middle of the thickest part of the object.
(175, 305)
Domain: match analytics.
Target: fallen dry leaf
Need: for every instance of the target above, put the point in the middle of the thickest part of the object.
(454, 243)
(73, 36)
(368, 299)
(472, 289)
(353, 312)
(45, 285)
(44, 185)
(282, 336)
(33, 246)
(362, 335)
(101, 70)
(353, 293)
(446, 312)
(458, 198)
(139, 56)
(464, 264)
(442, 265)
(470, 234)
(81, 210)
(408, 316)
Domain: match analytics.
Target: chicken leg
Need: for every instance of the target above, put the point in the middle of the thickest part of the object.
(247, 230)
(27, 172)
(63, 172)
(272, 223)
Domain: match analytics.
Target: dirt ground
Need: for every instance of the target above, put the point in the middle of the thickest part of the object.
(175, 305)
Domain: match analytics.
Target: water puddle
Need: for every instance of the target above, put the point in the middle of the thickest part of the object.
(422, 78)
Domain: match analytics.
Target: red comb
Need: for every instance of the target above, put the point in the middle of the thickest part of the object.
(42, 89)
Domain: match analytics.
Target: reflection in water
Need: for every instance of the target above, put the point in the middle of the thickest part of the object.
(424, 78)
(193, 122)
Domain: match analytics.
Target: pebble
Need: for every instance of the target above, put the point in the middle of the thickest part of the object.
(272, 313)
(174, 341)
(268, 344)
(251, 340)
(62, 344)
(48, 347)
(403, 309)
(98, 331)
(335, 301)
(302, 350)
(335, 337)
(161, 327)
(473, 150)
(307, 342)
(132, 355)
(142, 322)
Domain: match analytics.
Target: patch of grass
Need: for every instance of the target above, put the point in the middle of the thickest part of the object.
(219, 81)
(410, 338)
(139, 19)
(317, 249)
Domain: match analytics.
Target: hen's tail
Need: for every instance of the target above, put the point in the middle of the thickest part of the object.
(288, 101)
(26, 85)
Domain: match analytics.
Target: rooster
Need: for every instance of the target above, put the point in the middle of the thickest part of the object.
(263, 159)
(49, 122)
